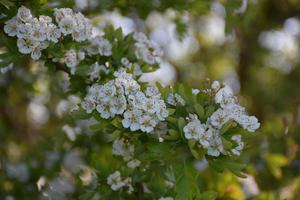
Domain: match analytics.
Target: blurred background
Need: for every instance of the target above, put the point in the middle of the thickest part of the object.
(251, 45)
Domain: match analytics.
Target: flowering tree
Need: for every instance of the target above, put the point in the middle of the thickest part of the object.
(154, 133)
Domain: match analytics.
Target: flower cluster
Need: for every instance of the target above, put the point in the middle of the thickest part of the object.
(147, 50)
(33, 33)
(116, 182)
(122, 147)
(230, 110)
(123, 96)
(208, 133)
(74, 24)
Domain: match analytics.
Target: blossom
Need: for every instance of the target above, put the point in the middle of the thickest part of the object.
(215, 145)
(147, 123)
(26, 46)
(105, 48)
(133, 163)
(115, 181)
(88, 104)
(219, 118)
(66, 25)
(175, 99)
(131, 119)
(215, 85)
(240, 145)
(53, 33)
(11, 26)
(71, 58)
(193, 130)
(152, 91)
(195, 91)
(24, 14)
(126, 63)
(122, 147)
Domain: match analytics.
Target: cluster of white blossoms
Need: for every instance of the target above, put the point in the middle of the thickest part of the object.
(122, 147)
(175, 99)
(208, 133)
(123, 96)
(74, 24)
(147, 50)
(116, 182)
(33, 33)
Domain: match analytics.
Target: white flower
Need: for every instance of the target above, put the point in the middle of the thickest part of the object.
(126, 63)
(250, 123)
(240, 145)
(122, 147)
(25, 30)
(61, 13)
(45, 19)
(219, 118)
(104, 109)
(36, 52)
(140, 37)
(24, 14)
(39, 32)
(138, 100)
(71, 58)
(11, 26)
(88, 104)
(175, 99)
(53, 33)
(66, 25)
(127, 183)
(4, 70)
(118, 105)
(147, 123)
(131, 119)
(215, 85)
(225, 97)
(133, 163)
(105, 48)
(193, 130)
(26, 45)
(216, 146)
(115, 181)
(195, 91)
(152, 91)
(205, 138)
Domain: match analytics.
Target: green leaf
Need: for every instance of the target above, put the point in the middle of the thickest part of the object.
(209, 195)
(80, 114)
(200, 111)
(186, 184)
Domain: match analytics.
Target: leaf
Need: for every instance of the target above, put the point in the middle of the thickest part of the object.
(209, 111)
(80, 114)
(186, 184)
(200, 111)
(209, 195)
(181, 124)
(7, 4)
